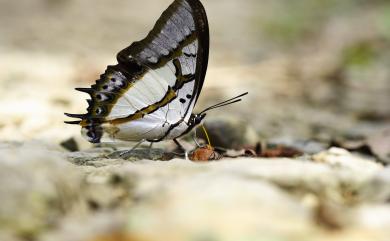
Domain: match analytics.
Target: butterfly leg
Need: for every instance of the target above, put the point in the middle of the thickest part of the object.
(150, 149)
(127, 153)
(194, 138)
(150, 146)
(181, 148)
(179, 145)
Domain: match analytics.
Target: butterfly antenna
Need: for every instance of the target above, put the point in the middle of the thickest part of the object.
(225, 103)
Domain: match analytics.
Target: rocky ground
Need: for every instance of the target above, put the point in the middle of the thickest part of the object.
(305, 156)
(49, 193)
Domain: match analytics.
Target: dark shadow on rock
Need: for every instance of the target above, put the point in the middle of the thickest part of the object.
(70, 145)
(138, 154)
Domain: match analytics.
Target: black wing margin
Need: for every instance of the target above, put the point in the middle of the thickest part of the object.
(183, 22)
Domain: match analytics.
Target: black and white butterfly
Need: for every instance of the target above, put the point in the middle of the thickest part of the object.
(151, 93)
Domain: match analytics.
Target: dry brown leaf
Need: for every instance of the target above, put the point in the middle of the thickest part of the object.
(280, 151)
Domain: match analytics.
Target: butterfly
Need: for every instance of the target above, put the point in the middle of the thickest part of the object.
(151, 93)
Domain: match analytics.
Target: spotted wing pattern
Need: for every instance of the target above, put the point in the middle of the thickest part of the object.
(151, 92)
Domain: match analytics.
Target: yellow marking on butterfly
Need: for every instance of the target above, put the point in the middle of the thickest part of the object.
(84, 123)
(149, 109)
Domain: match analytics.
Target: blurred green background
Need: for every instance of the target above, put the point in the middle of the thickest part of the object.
(314, 68)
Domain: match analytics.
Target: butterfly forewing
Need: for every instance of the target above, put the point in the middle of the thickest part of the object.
(151, 92)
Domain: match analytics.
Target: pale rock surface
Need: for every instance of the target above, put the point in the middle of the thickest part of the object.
(36, 186)
(378, 188)
(47, 195)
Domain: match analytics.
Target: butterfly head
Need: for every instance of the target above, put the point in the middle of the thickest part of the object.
(196, 119)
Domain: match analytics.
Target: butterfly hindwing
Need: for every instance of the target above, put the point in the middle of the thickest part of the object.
(151, 92)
